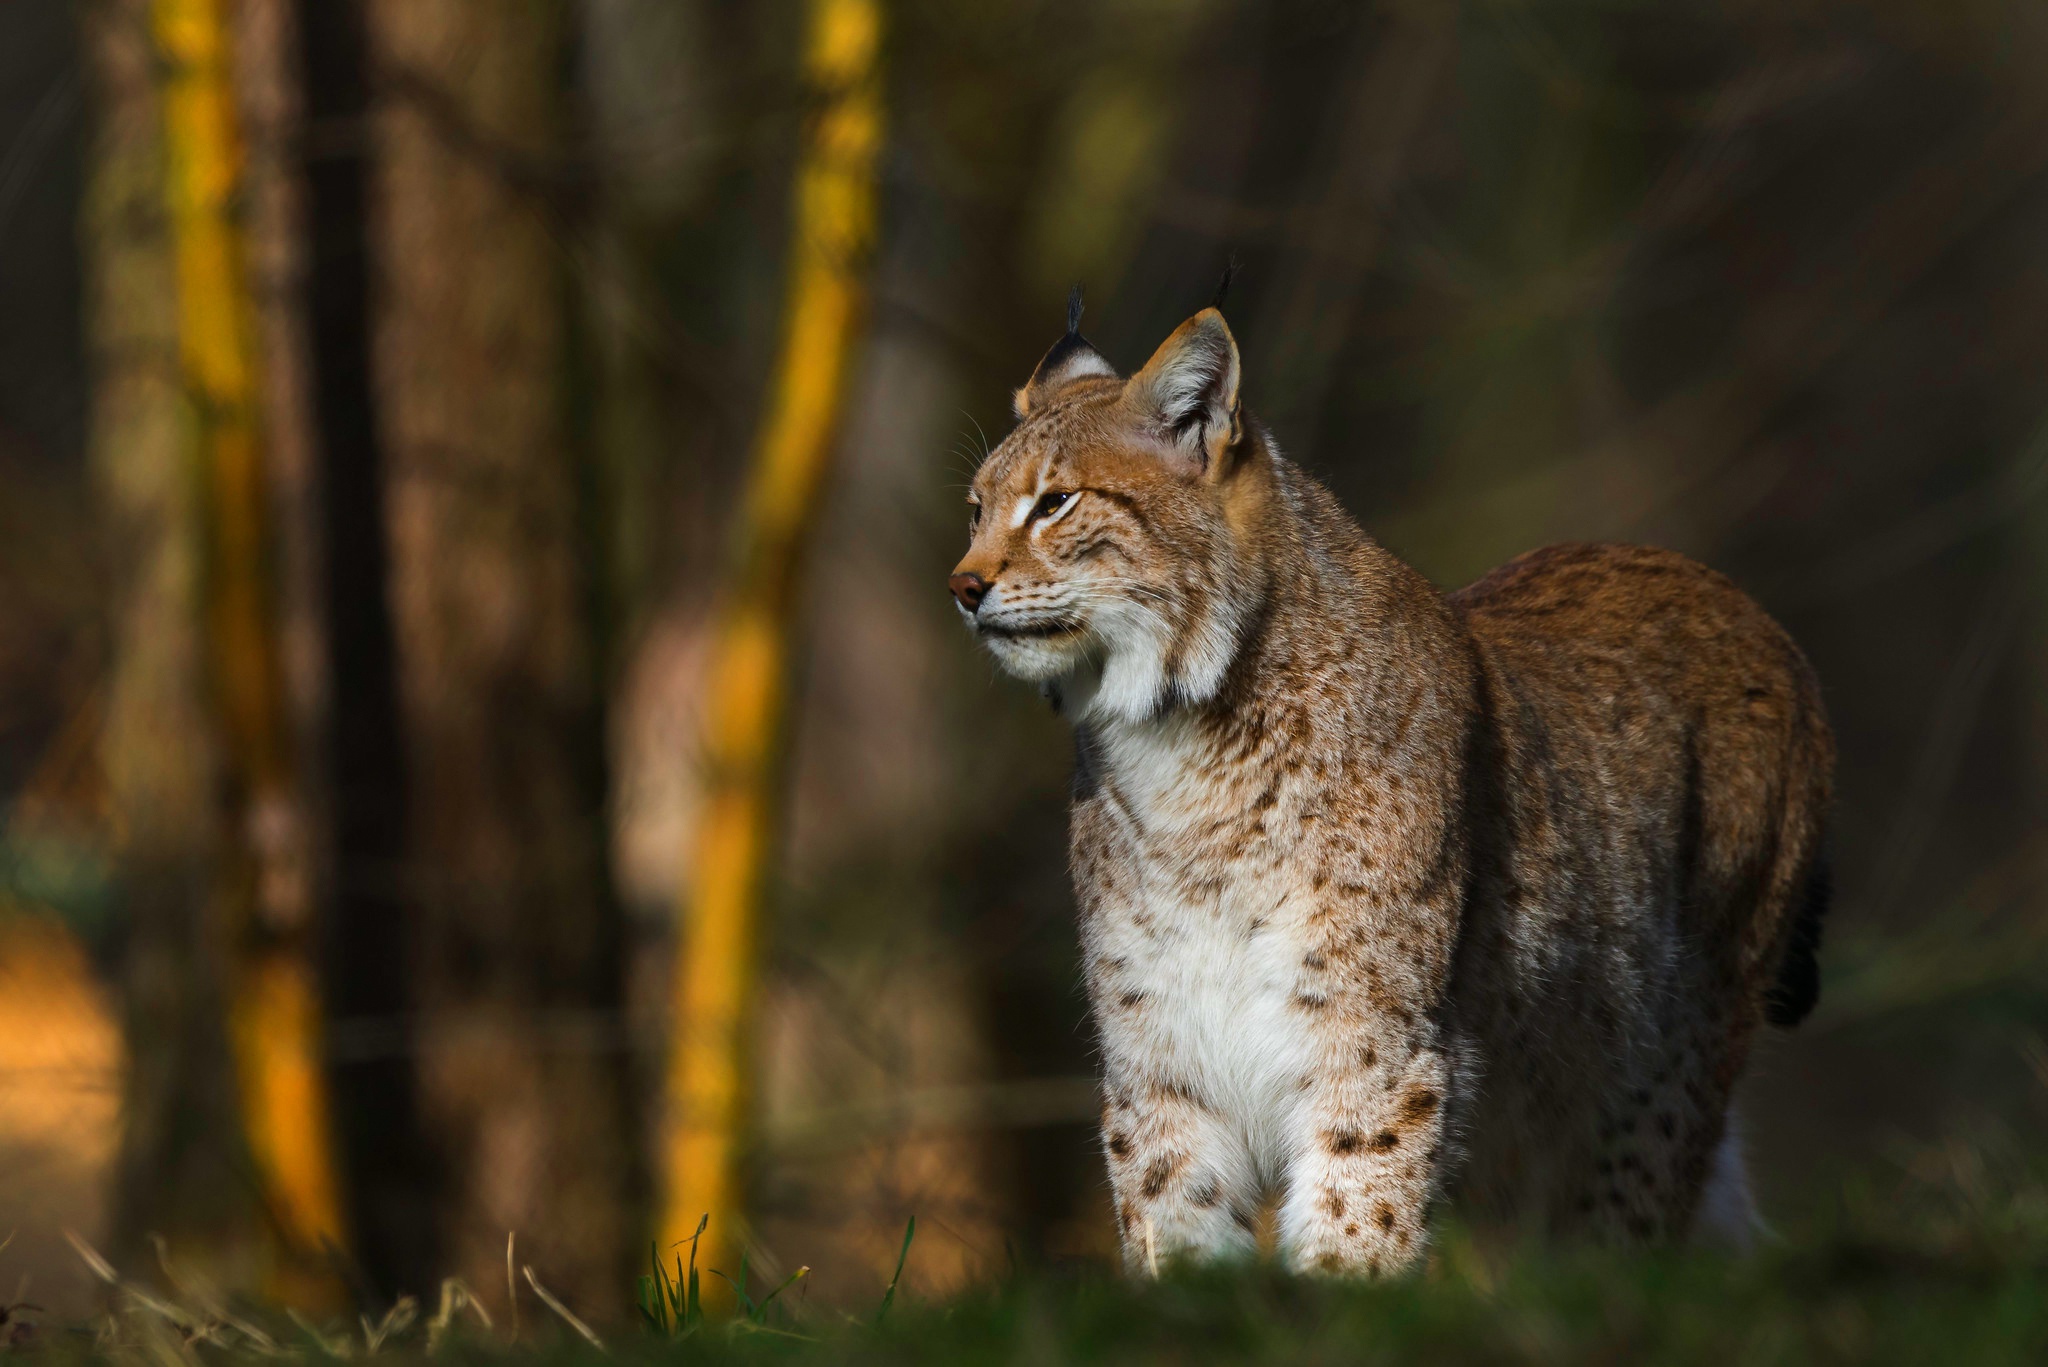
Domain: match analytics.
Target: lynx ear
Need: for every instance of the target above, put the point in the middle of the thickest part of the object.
(1071, 359)
(1189, 389)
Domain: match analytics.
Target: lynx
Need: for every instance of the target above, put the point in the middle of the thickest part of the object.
(1392, 898)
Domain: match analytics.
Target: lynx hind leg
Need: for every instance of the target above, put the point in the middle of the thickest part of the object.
(1727, 1217)
(1660, 1142)
(1183, 1179)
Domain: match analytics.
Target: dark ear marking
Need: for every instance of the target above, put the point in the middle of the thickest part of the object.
(1071, 358)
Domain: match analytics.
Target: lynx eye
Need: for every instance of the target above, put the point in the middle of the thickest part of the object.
(973, 515)
(1049, 505)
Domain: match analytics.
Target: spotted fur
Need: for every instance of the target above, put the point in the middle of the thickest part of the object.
(1390, 896)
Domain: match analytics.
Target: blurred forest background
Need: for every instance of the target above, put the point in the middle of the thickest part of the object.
(374, 508)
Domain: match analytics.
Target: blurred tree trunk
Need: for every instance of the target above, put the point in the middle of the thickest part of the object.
(226, 1149)
(182, 1165)
(394, 1178)
(717, 968)
(264, 913)
(523, 1077)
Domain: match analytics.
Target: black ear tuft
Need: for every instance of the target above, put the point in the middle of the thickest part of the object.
(1223, 285)
(1071, 358)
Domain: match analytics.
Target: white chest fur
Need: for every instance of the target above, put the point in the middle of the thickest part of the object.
(1206, 951)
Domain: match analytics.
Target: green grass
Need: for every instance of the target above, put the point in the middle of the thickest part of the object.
(1946, 1264)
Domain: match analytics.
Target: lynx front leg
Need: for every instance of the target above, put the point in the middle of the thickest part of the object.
(1183, 1179)
(1367, 1149)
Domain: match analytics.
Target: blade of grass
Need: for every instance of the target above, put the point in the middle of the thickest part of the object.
(693, 1300)
(568, 1316)
(335, 1346)
(761, 1316)
(511, 1287)
(889, 1296)
(739, 1289)
(90, 1256)
(455, 1298)
(662, 1294)
(395, 1321)
(650, 1307)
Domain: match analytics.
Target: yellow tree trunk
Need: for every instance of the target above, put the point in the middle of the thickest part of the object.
(749, 665)
(273, 1010)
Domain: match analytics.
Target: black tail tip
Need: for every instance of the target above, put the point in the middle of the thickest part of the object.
(1797, 990)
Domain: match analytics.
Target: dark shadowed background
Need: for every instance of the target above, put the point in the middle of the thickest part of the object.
(1763, 282)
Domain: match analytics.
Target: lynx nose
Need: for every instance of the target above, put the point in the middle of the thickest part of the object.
(969, 589)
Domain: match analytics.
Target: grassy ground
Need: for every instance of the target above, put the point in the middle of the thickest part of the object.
(1944, 1263)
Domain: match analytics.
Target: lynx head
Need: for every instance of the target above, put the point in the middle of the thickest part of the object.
(1109, 560)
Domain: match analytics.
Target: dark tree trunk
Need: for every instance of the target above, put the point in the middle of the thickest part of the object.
(393, 1172)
